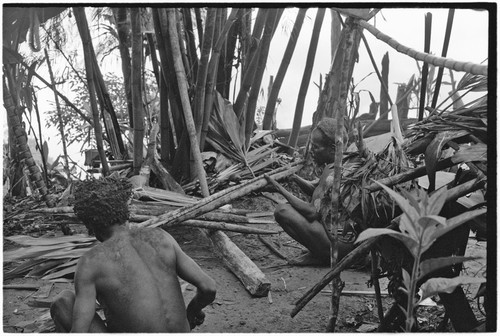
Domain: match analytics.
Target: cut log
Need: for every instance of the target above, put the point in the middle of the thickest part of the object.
(250, 275)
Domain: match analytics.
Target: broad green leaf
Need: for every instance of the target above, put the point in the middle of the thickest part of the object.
(403, 203)
(411, 244)
(433, 153)
(429, 221)
(406, 278)
(445, 285)
(436, 201)
(430, 265)
(409, 228)
(35, 251)
(456, 221)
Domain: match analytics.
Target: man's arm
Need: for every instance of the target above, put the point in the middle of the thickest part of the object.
(189, 270)
(306, 186)
(305, 209)
(84, 308)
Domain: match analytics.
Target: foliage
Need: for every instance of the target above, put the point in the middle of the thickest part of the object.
(420, 226)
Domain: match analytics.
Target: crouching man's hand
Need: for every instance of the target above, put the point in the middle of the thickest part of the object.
(195, 318)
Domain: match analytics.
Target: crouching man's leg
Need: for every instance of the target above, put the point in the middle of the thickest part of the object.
(61, 312)
(310, 234)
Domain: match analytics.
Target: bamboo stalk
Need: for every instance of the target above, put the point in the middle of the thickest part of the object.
(475, 69)
(272, 17)
(425, 67)
(120, 15)
(59, 117)
(306, 77)
(447, 34)
(186, 104)
(188, 30)
(201, 78)
(83, 28)
(212, 73)
(136, 87)
(384, 96)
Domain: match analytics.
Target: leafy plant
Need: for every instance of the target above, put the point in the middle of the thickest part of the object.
(420, 226)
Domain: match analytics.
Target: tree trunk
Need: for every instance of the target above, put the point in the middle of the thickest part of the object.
(201, 80)
(83, 28)
(269, 114)
(250, 64)
(186, 105)
(191, 46)
(230, 51)
(199, 25)
(123, 29)
(271, 19)
(212, 73)
(23, 149)
(136, 81)
(245, 38)
(306, 78)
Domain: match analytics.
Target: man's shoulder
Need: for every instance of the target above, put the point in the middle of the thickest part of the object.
(152, 235)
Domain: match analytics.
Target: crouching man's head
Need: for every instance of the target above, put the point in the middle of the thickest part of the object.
(102, 204)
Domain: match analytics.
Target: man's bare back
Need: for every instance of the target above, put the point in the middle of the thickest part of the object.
(139, 267)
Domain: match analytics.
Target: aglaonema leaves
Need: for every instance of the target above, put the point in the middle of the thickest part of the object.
(430, 265)
(445, 285)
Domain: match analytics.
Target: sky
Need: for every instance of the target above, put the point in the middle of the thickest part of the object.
(469, 42)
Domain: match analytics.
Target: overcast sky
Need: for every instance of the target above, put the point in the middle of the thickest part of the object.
(468, 42)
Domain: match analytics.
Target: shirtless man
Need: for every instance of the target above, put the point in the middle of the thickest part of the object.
(300, 219)
(132, 274)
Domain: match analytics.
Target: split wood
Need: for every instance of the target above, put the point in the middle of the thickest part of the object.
(365, 247)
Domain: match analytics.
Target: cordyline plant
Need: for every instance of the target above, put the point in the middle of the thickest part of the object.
(420, 226)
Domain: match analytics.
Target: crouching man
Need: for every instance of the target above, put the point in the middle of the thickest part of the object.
(132, 273)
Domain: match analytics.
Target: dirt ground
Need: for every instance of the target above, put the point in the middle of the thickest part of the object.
(234, 310)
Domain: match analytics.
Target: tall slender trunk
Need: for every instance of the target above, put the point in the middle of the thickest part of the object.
(83, 28)
(59, 117)
(306, 78)
(201, 80)
(123, 29)
(251, 61)
(229, 59)
(199, 24)
(280, 76)
(272, 17)
(245, 38)
(191, 46)
(186, 105)
(212, 73)
(136, 79)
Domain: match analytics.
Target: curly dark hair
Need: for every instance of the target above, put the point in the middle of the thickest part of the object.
(100, 203)
(328, 126)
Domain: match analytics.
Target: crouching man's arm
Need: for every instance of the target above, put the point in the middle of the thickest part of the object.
(189, 270)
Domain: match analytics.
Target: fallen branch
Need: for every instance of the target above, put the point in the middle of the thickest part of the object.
(224, 226)
(272, 248)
